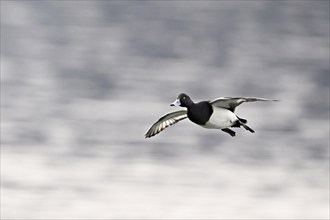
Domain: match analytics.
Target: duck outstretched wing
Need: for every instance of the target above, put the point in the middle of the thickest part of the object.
(165, 121)
(231, 103)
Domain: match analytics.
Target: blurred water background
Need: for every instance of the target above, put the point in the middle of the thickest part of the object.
(82, 81)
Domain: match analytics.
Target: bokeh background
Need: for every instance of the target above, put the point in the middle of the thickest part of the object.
(82, 81)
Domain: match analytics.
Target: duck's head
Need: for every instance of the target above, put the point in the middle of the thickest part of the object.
(183, 100)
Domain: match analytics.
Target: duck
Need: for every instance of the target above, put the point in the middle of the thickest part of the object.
(216, 114)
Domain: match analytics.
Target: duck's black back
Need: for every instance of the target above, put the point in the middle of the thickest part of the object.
(200, 113)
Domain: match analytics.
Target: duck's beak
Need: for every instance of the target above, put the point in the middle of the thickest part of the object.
(176, 103)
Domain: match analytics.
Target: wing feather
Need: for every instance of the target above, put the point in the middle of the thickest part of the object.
(165, 121)
(232, 102)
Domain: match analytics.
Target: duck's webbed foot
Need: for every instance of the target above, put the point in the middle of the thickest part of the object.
(229, 131)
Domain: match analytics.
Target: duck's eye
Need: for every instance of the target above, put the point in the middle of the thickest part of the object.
(184, 97)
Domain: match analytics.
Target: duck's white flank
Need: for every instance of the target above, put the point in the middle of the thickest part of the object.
(221, 118)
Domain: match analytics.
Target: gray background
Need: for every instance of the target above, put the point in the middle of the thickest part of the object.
(82, 81)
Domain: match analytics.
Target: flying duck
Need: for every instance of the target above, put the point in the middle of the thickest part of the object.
(216, 114)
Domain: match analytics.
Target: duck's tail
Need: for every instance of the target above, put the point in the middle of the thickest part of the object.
(244, 121)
